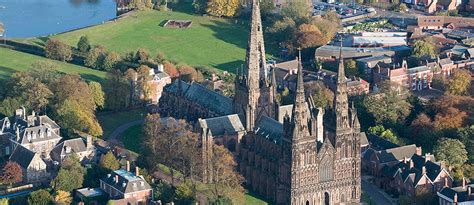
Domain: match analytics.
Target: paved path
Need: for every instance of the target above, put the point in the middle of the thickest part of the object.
(114, 137)
(375, 194)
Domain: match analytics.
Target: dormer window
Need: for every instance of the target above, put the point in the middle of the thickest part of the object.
(34, 135)
(41, 134)
(68, 149)
(48, 131)
(28, 136)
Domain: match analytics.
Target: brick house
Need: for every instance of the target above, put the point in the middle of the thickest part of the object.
(82, 148)
(125, 187)
(461, 195)
(416, 176)
(416, 78)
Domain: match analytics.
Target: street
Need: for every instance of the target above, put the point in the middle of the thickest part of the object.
(375, 194)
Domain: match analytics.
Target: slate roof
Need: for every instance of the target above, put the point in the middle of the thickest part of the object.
(229, 124)
(418, 69)
(76, 145)
(270, 129)
(396, 154)
(378, 143)
(415, 173)
(199, 94)
(37, 134)
(461, 192)
(374, 59)
(22, 156)
(209, 99)
(127, 182)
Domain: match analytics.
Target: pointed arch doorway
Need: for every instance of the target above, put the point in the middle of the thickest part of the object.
(326, 198)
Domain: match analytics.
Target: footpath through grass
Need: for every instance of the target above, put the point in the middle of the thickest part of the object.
(112, 121)
(213, 42)
(13, 61)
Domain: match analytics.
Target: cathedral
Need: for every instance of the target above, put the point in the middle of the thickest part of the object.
(295, 154)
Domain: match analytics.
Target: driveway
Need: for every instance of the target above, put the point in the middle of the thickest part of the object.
(375, 194)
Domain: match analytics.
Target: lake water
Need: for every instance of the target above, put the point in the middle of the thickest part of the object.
(33, 18)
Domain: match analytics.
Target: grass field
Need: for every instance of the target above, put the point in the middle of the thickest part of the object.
(132, 138)
(13, 61)
(250, 199)
(112, 121)
(213, 42)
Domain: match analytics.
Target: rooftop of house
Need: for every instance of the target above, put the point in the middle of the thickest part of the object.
(329, 51)
(463, 193)
(126, 182)
(70, 146)
(22, 156)
(374, 59)
(396, 154)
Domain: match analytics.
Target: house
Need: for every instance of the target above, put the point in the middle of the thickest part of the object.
(416, 78)
(329, 52)
(159, 80)
(82, 148)
(37, 133)
(440, 22)
(461, 52)
(416, 176)
(125, 187)
(368, 63)
(461, 195)
(32, 164)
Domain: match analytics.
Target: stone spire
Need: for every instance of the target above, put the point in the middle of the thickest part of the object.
(300, 115)
(255, 57)
(341, 106)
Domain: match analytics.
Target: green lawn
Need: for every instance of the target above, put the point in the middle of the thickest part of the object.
(132, 138)
(251, 199)
(12, 61)
(214, 42)
(112, 121)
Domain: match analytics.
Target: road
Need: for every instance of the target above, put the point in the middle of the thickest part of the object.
(375, 194)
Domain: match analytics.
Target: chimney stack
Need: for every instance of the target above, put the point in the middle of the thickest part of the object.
(427, 157)
(469, 191)
(116, 178)
(423, 170)
(137, 171)
(128, 166)
(463, 183)
(455, 198)
(412, 164)
(446, 182)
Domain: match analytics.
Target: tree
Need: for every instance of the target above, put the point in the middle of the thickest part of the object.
(109, 162)
(8, 106)
(387, 134)
(284, 98)
(226, 181)
(149, 4)
(142, 56)
(62, 198)
(283, 32)
(424, 48)
(185, 194)
(30, 91)
(309, 36)
(137, 4)
(452, 118)
(40, 197)
(452, 151)
(160, 58)
(97, 94)
(12, 173)
(163, 141)
(220, 8)
(143, 83)
(4, 201)
(164, 192)
(170, 69)
(83, 44)
(387, 107)
(110, 61)
(323, 97)
(466, 136)
(350, 68)
(57, 50)
(459, 83)
(70, 175)
(117, 90)
(297, 10)
(95, 57)
(422, 131)
(189, 74)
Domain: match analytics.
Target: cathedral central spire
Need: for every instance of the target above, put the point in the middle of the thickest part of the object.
(255, 57)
